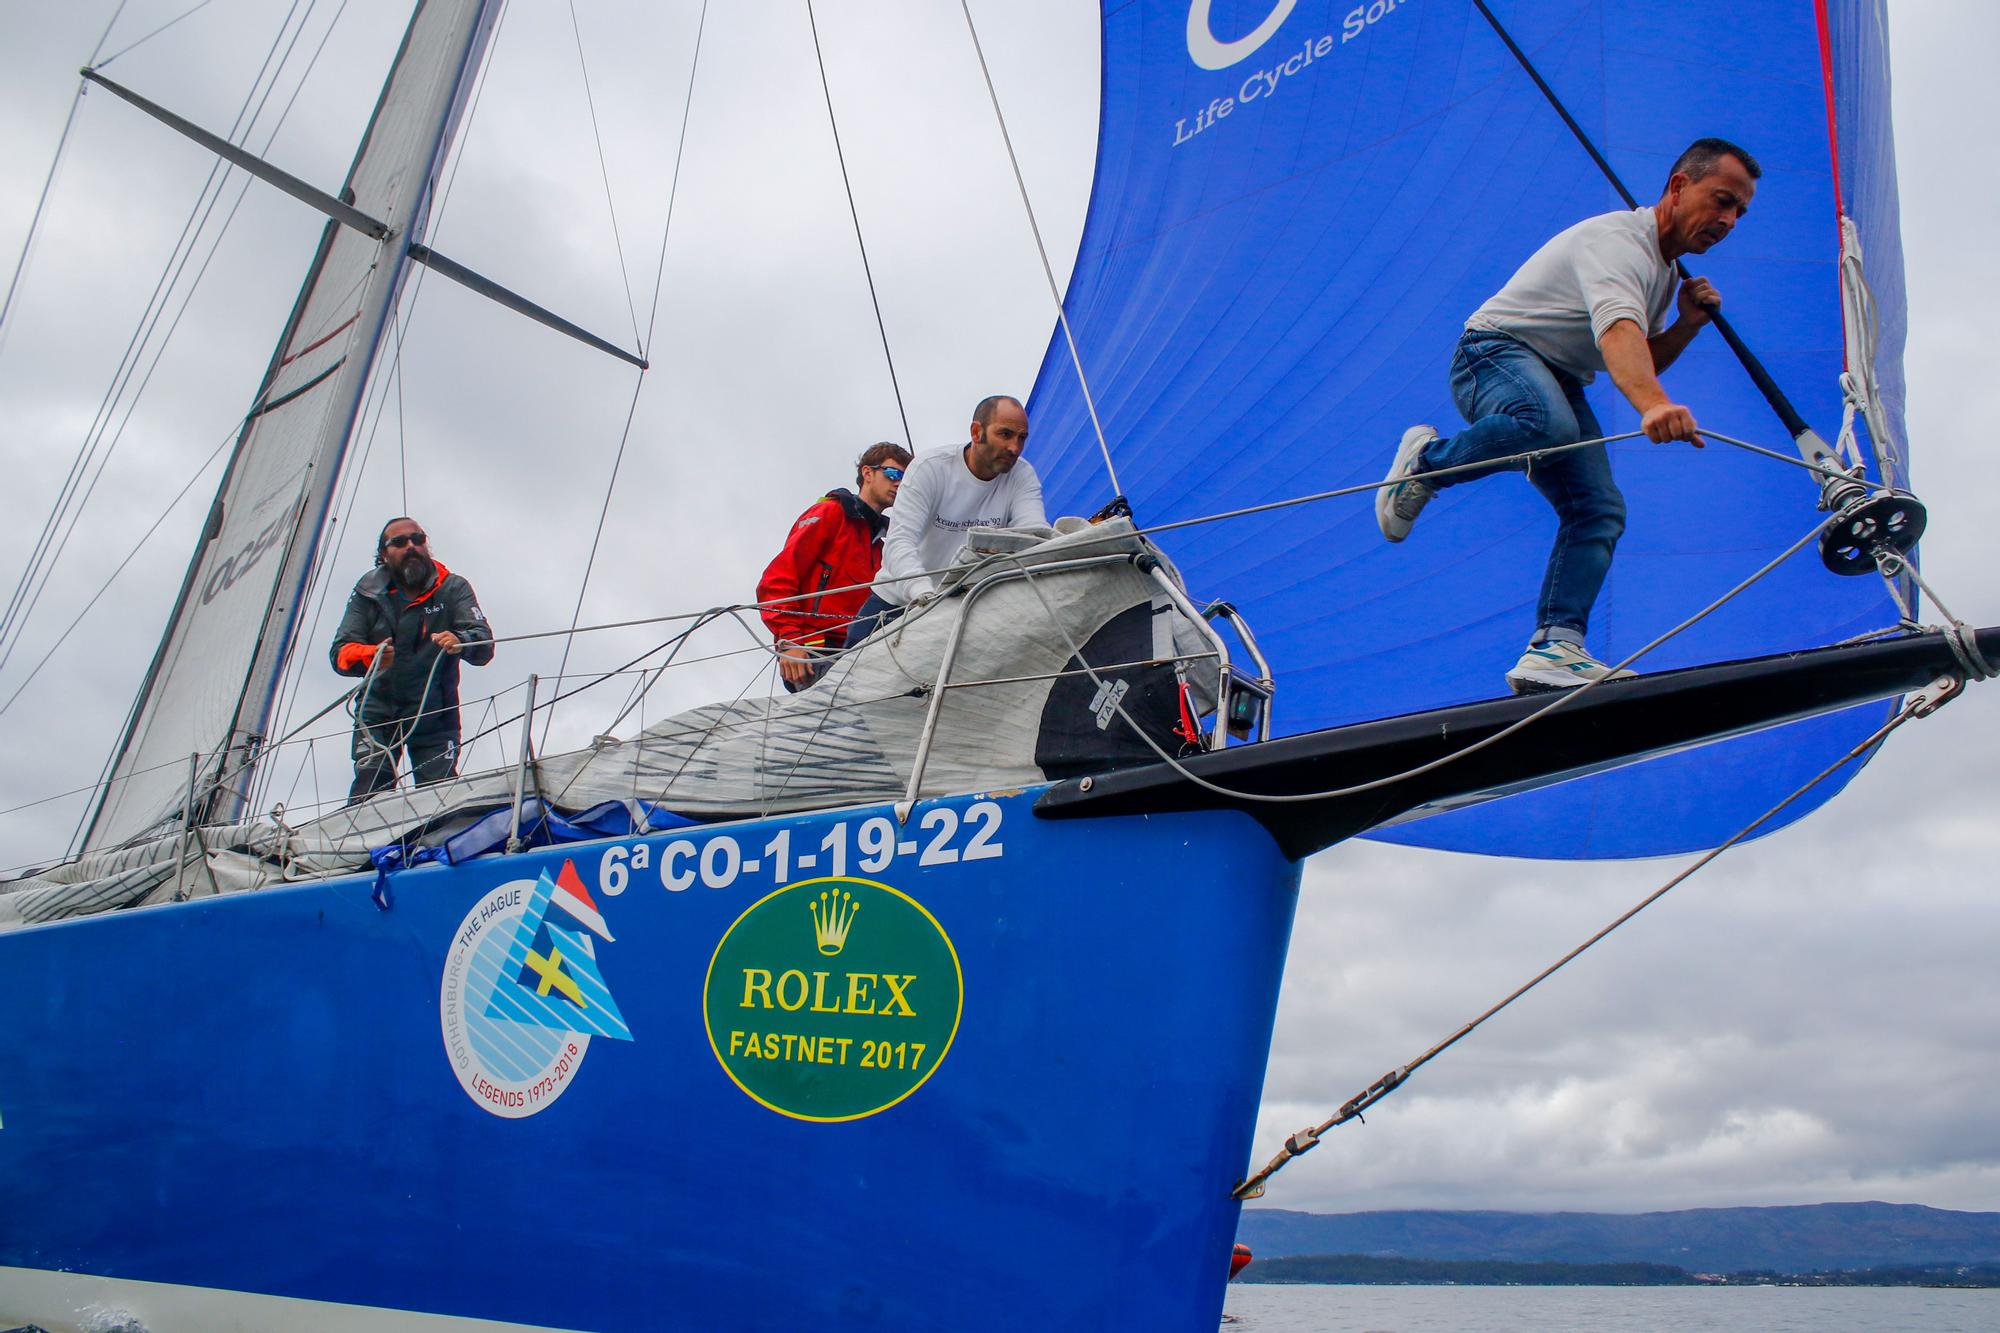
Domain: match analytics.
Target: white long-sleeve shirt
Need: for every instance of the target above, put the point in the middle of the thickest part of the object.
(1586, 279)
(937, 503)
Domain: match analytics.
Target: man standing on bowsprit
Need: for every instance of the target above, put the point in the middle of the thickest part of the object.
(821, 578)
(1597, 297)
(409, 622)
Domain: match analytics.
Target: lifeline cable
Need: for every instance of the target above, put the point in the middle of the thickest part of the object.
(702, 617)
(1153, 529)
(1560, 700)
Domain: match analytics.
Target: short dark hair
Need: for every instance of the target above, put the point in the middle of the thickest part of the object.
(888, 451)
(988, 406)
(382, 537)
(1703, 156)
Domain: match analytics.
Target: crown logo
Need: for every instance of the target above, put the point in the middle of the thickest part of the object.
(833, 917)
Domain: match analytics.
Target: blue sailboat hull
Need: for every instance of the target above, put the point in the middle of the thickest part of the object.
(286, 1092)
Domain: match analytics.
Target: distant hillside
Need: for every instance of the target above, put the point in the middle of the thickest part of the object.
(1361, 1270)
(1818, 1236)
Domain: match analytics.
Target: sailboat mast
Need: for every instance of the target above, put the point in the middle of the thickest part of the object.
(212, 685)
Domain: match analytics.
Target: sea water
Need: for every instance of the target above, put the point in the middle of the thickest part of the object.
(1338, 1309)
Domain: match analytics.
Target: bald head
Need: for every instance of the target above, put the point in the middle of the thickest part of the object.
(999, 434)
(983, 414)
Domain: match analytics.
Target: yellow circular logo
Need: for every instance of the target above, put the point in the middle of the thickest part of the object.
(833, 999)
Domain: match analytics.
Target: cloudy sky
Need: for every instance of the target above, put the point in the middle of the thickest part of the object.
(1808, 1020)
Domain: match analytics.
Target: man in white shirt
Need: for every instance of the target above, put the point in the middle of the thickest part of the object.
(1594, 298)
(983, 484)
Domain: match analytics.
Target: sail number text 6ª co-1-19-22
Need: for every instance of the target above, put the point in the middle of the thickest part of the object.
(939, 836)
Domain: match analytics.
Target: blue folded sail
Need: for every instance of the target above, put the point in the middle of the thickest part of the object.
(1296, 207)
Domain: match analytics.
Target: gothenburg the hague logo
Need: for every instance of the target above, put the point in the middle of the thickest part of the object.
(833, 999)
(523, 994)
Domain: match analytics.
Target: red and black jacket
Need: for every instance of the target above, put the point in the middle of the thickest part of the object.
(833, 546)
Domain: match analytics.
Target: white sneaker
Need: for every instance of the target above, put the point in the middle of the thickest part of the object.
(1397, 505)
(1556, 665)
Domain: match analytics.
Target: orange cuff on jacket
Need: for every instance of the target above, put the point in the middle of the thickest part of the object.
(353, 655)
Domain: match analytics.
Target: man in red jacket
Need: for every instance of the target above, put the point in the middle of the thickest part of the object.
(826, 566)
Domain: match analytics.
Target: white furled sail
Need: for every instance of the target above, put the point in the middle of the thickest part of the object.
(210, 688)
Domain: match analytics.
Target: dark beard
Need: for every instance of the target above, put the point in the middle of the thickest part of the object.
(416, 574)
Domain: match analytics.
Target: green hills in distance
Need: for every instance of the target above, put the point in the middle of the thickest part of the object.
(1843, 1244)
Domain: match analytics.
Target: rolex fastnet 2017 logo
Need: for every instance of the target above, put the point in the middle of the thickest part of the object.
(523, 995)
(832, 999)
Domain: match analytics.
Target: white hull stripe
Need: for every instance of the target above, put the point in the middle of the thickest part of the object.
(76, 1302)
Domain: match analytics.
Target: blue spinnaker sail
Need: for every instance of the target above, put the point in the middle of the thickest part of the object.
(1296, 207)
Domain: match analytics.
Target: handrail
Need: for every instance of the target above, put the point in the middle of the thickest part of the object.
(943, 681)
(1265, 687)
(1218, 735)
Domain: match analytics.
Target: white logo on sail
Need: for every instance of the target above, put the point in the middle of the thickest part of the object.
(1205, 51)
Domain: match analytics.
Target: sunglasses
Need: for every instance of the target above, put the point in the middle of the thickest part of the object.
(892, 473)
(401, 540)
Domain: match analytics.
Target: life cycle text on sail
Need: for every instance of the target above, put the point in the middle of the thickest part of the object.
(1268, 80)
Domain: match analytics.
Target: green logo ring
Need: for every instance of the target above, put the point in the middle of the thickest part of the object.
(832, 999)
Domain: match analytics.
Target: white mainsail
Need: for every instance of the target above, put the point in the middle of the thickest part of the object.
(210, 687)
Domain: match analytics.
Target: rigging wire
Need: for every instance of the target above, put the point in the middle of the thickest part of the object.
(49, 181)
(277, 126)
(639, 384)
(674, 183)
(1307, 1139)
(111, 578)
(70, 505)
(764, 649)
(853, 212)
(197, 217)
(1055, 293)
(603, 171)
(111, 759)
(129, 46)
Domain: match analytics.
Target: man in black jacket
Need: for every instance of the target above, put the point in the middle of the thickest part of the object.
(409, 622)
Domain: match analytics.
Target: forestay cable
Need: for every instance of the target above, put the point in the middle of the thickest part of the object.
(1307, 1139)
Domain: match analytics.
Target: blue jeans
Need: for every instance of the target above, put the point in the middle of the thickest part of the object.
(873, 615)
(1515, 402)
